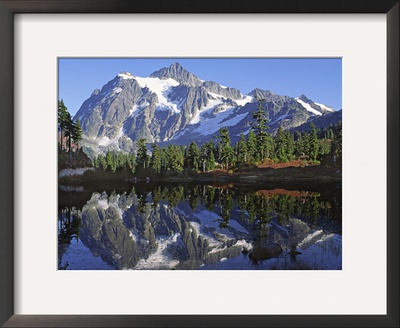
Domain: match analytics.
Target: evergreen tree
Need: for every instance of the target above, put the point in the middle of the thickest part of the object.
(313, 142)
(252, 147)
(69, 129)
(260, 128)
(111, 161)
(226, 151)
(297, 144)
(174, 158)
(181, 156)
(103, 162)
(108, 159)
(193, 157)
(207, 156)
(131, 162)
(324, 146)
(280, 152)
(330, 133)
(289, 145)
(156, 160)
(62, 120)
(204, 156)
(77, 133)
(123, 160)
(305, 144)
(242, 155)
(337, 144)
(210, 164)
(142, 157)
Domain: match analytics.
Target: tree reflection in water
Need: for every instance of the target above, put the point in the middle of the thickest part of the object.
(182, 227)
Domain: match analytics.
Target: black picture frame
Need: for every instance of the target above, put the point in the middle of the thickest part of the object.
(11, 7)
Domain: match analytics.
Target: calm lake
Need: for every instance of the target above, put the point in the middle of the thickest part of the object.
(153, 226)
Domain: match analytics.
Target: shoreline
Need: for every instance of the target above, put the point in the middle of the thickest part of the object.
(315, 173)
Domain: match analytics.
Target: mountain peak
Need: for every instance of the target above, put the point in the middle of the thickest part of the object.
(178, 73)
(126, 75)
(262, 94)
(304, 98)
(176, 65)
(258, 90)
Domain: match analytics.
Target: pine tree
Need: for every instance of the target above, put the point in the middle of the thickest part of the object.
(313, 140)
(77, 133)
(305, 144)
(289, 145)
(142, 157)
(297, 144)
(62, 120)
(210, 165)
(226, 151)
(330, 133)
(252, 147)
(103, 162)
(69, 129)
(174, 158)
(193, 157)
(260, 128)
(121, 161)
(156, 163)
(170, 161)
(337, 144)
(242, 155)
(181, 156)
(280, 152)
(207, 156)
(110, 161)
(131, 162)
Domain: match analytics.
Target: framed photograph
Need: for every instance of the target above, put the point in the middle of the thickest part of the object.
(236, 197)
(175, 206)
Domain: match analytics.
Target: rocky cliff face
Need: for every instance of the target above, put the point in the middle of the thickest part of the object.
(175, 106)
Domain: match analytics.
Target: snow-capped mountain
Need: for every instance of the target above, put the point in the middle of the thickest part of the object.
(321, 121)
(313, 107)
(174, 105)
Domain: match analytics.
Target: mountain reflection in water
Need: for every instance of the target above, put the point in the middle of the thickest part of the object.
(200, 227)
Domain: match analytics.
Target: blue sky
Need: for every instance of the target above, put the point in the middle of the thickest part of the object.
(320, 79)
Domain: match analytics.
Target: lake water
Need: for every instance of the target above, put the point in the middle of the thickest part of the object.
(139, 226)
